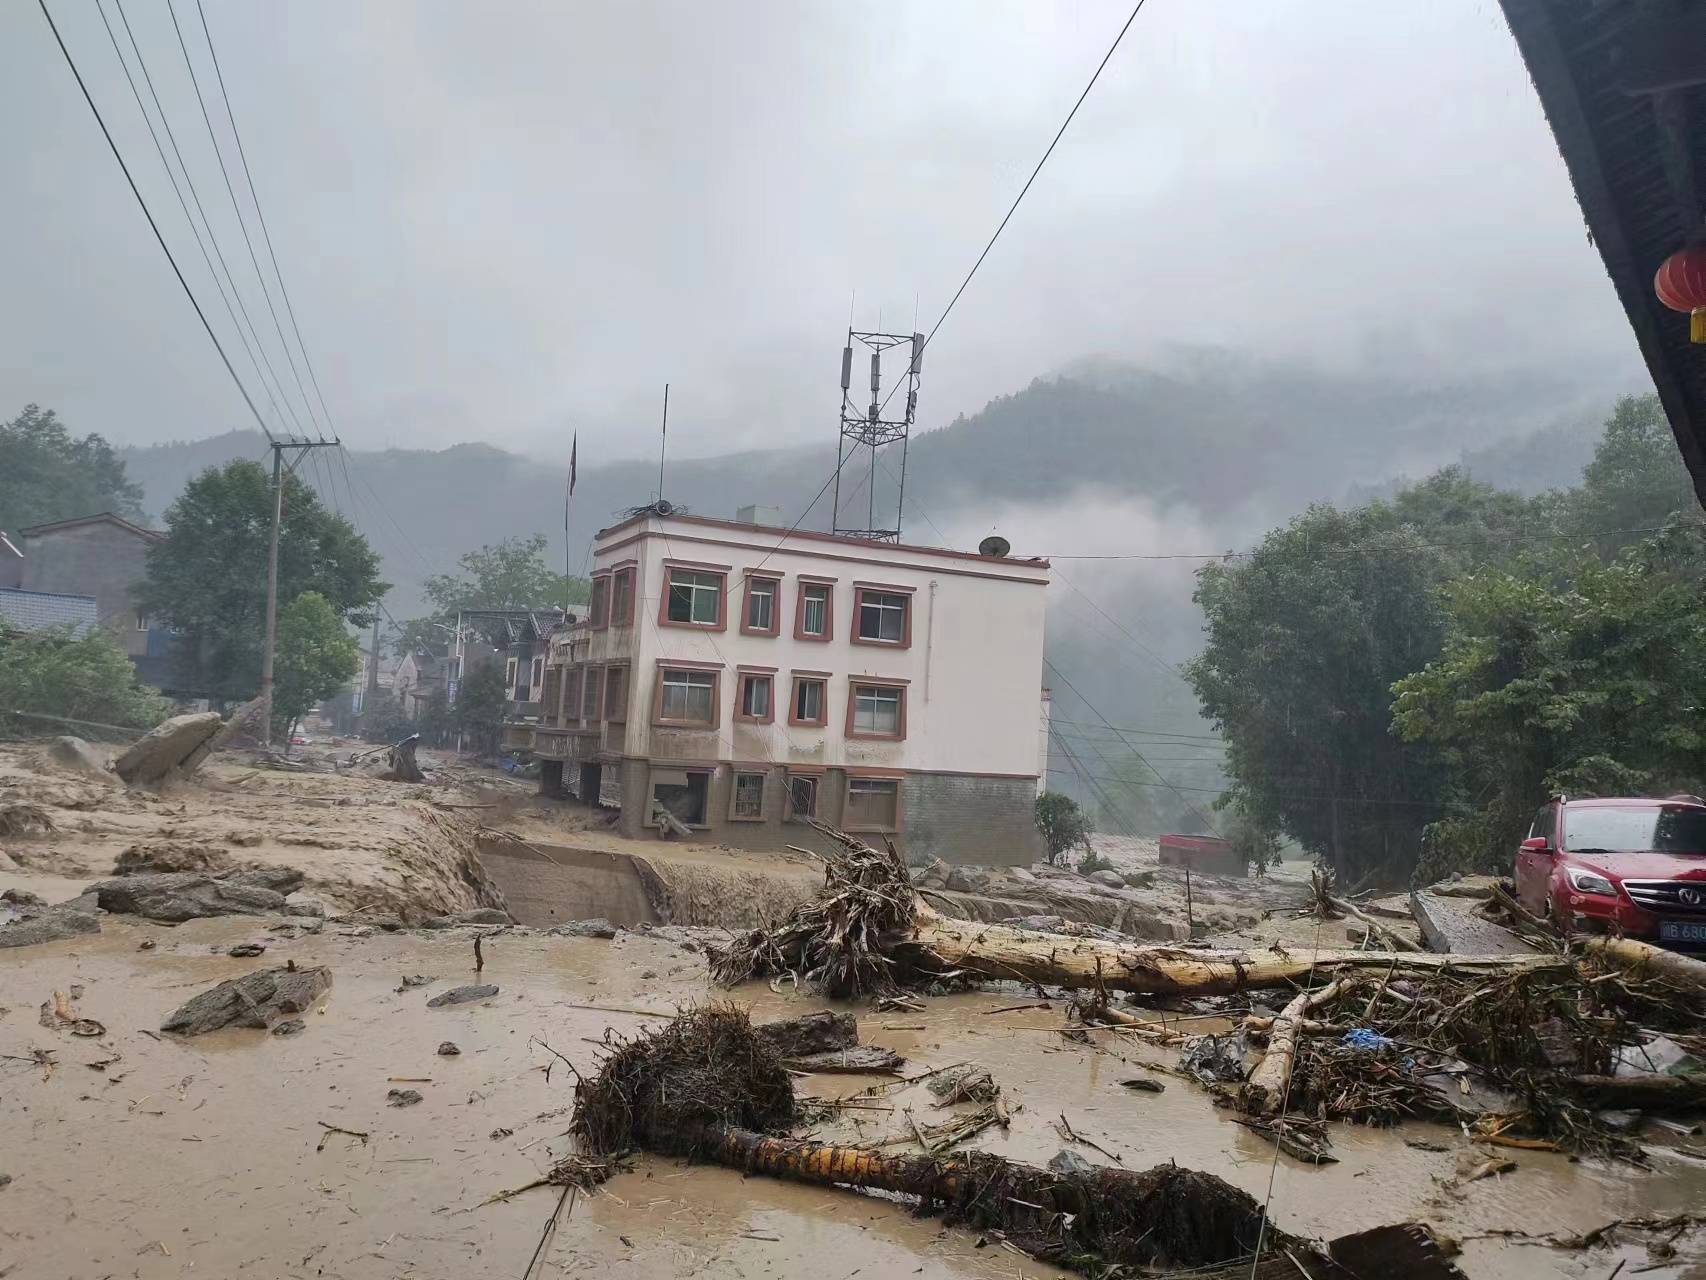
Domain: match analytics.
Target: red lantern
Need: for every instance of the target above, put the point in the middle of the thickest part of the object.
(1681, 285)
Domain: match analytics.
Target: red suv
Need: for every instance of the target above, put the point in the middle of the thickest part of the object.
(1633, 866)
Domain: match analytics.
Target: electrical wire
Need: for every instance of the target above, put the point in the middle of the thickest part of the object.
(1196, 812)
(195, 195)
(1014, 208)
(242, 224)
(152, 224)
(195, 231)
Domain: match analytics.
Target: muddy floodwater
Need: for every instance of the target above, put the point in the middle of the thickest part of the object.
(133, 1154)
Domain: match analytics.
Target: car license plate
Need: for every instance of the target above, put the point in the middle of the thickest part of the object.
(1682, 931)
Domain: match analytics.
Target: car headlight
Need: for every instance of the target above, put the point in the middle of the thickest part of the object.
(1589, 882)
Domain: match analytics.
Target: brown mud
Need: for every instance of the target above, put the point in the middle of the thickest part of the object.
(204, 1153)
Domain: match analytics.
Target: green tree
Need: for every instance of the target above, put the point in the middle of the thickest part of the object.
(208, 579)
(1305, 639)
(1563, 673)
(48, 474)
(511, 575)
(56, 673)
(315, 657)
(1636, 480)
(1063, 825)
(479, 710)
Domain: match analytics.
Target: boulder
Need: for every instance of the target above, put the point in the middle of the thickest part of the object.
(51, 925)
(934, 875)
(78, 756)
(1139, 879)
(257, 1000)
(1067, 1162)
(1107, 879)
(968, 880)
(172, 855)
(169, 745)
(176, 896)
(403, 1097)
(1024, 874)
(479, 915)
(302, 904)
(463, 995)
(583, 929)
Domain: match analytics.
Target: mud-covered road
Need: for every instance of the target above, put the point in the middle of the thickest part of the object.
(141, 1155)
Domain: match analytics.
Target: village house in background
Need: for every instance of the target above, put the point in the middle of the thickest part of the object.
(103, 557)
(518, 638)
(419, 679)
(740, 679)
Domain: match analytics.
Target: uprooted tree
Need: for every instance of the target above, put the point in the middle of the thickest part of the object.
(869, 932)
(708, 1086)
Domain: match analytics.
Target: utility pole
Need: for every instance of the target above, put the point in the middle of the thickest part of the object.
(279, 473)
(371, 697)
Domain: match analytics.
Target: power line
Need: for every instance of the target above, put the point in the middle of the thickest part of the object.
(195, 195)
(152, 225)
(183, 204)
(260, 215)
(1014, 207)
(1198, 813)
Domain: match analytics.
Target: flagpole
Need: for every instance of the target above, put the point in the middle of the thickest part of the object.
(568, 555)
(663, 441)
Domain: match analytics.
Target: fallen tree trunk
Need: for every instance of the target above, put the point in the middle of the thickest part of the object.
(1264, 1092)
(868, 932)
(999, 952)
(1166, 1216)
(1396, 940)
(1655, 960)
(1642, 1092)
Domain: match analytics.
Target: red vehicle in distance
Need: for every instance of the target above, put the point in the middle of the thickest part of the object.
(1630, 866)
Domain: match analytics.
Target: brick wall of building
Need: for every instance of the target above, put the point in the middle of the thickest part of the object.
(972, 820)
(988, 821)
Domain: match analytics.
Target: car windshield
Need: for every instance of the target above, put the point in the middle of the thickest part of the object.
(1667, 828)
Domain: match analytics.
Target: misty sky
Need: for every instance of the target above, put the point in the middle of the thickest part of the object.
(510, 221)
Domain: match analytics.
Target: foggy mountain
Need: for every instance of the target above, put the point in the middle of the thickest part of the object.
(1234, 445)
(1185, 458)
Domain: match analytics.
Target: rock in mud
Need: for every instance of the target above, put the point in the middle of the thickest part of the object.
(448, 1049)
(969, 880)
(5, 1179)
(932, 876)
(1067, 1163)
(479, 915)
(463, 995)
(415, 980)
(78, 756)
(243, 950)
(22, 898)
(180, 742)
(290, 1027)
(302, 904)
(176, 896)
(583, 929)
(403, 1097)
(821, 1032)
(1139, 879)
(172, 855)
(256, 1000)
(52, 925)
(1107, 879)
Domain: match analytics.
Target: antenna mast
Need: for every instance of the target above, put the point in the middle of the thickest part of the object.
(866, 428)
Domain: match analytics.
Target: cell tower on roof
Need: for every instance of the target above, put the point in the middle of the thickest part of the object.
(866, 429)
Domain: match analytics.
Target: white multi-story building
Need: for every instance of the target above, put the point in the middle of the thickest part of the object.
(741, 677)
